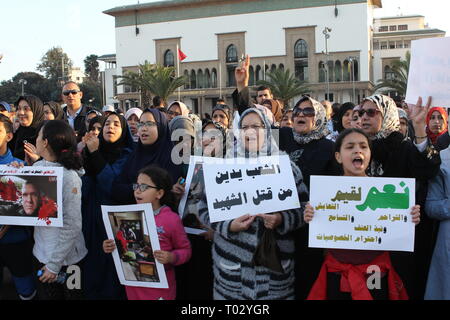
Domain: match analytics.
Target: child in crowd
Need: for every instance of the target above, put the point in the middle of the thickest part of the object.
(56, 249)
(15, 241)
(343, 275)
(154, 186)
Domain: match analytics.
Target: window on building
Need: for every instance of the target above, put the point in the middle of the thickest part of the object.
(252, 76)
(301, 60)
(329, 97)
(115, 82)
(232, 55)
(200, 79)
(355, 70)
(376, 45)
(281, 66)
(399, 44)
(383, 29)
(273, 67)
(338, 71)
(186, 75)
(258, 73)
(346, 71)
(193, 80)
(214, 78)
(207, 79)
(383, 45)
(330, 71)
(407, 44)
(388, 73)
(169, 60)
(392, 28)
(231, 60)
(391, 44)
(322, 72)
(403, 27)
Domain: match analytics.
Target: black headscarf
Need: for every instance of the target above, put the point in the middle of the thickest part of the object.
(158, 154)
(29, 133)
(98, 119)
(340, 114)
(108, 152)
(58, 112)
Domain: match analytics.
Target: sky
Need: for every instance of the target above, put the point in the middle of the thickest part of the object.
(28, 28)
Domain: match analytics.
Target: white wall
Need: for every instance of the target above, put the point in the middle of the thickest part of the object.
(265, 35)
(109, 86)
(382, 54)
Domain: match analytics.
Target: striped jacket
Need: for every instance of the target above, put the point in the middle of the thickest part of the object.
(235, 276)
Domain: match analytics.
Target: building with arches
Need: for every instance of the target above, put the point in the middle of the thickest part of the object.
(215, 34)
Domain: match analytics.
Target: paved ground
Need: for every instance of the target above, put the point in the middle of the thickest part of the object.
(7, 289)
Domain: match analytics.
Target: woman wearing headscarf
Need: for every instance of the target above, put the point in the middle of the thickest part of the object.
(437, 122)
(30, 112)
(223, 114)
(95, 126)
(177, 108)
(104, 158)
(236, 276)
(342, 119)
(132, 116)
(153, 148)
(182, 132)
(53, 111)
(393, 156)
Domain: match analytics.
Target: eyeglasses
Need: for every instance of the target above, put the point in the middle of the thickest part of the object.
(254, 127)
(172, 113)
(143, 187)
(370, 112)
(146, 124)
(307, 112)
(73, 92)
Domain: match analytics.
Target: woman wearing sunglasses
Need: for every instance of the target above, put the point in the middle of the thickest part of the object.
(393, 156)
(153, 148)
(104, 157)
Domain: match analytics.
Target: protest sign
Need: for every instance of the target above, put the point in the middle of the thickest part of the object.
(134, 230)
(195, 192)
(362, 213)
(31, 196)
(252, 186)
(429, 72)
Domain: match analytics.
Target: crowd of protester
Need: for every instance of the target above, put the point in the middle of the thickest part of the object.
(114, 158)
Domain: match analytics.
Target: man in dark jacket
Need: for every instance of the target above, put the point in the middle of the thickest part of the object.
(74, 112)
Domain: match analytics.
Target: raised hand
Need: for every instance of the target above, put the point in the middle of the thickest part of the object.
(92, 142)
(418, 116)
(242, 74)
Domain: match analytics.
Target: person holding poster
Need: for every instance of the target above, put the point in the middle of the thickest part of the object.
(16, 242)
(104, 158)
(154, 186)
(57, 248)
(239, 271)
(344, 273)
(394, 157)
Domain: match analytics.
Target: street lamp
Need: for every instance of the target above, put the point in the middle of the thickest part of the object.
(22, 82)
(326, 33)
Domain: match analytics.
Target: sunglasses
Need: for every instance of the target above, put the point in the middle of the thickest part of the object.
(307, 112)
(73, 92)
(370, 112)
(172, 113)
(143, 187)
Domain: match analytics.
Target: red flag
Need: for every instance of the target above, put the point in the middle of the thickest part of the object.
(181, 55)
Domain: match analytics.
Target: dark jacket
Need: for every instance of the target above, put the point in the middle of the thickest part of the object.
(100, 279)
(80, 121)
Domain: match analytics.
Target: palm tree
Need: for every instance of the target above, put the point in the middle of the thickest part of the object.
(154, 80)
(399, 80)
(284, 85)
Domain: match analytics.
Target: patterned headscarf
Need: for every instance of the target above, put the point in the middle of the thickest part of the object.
(388, 108)
(320, 128)
(434, 136)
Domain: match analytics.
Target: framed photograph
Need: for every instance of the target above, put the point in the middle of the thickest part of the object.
(134, 230)
(31, 196)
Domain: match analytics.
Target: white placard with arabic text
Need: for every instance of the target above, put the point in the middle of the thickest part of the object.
(252, 186)
(362, 213)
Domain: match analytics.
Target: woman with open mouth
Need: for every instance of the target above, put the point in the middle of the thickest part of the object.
(153, 148)
(104, 157)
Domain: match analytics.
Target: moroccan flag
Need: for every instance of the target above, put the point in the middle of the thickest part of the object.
(181, 55)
